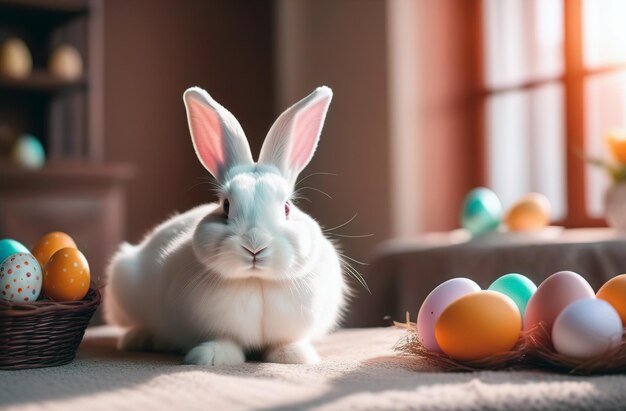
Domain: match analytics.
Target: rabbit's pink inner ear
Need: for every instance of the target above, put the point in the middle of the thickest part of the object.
(307, 128)
(206, 131)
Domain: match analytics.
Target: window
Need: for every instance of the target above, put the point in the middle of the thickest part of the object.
(554, 77)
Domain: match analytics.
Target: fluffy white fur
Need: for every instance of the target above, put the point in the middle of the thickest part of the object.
(195, 285)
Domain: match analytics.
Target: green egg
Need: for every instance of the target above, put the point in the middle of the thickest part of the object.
(516, 286)
(481, 211)
(9, 246)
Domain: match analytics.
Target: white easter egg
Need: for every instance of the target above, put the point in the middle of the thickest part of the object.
(438, 300)
(20, 278)
(587, 328)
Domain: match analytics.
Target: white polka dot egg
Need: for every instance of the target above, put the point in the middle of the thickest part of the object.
(20, 278)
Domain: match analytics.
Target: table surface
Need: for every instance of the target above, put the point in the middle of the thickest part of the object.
(406, 270)
(359, 370)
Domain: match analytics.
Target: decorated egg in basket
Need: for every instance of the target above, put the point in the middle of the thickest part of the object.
(66, 275)
(20, 278)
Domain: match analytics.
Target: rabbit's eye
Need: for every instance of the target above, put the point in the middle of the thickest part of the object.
(287, 209)
(226, 207)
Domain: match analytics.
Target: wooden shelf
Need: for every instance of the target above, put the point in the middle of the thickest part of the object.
(57, 6)
(41, 81)
(64, 172)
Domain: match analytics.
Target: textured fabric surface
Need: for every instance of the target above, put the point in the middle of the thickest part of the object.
(405, 271)
(358, 371)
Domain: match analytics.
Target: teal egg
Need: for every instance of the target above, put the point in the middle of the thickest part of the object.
(516, 286)
(9, 246)
(28, 152)
(481, 211)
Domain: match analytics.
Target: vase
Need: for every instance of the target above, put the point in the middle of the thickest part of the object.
(615, 206)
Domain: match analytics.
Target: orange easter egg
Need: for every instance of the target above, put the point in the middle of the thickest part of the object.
(66, 276)
(531, 212)
(614, 292)
(50, 244)
(478, 325)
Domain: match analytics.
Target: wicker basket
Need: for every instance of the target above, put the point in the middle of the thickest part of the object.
(45, 333)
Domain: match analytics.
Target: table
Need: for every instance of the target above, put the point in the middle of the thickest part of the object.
(405, 271)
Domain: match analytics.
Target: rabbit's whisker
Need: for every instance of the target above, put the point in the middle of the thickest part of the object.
(316, 189)
(321, 173)
(341, 225)
(352, 259)
(356, 274)
(350, 236)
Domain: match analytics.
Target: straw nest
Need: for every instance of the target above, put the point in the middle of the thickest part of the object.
(533, 349)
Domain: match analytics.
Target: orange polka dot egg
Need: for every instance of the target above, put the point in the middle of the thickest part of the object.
(66, 276)
(50, 244)
(20, 278)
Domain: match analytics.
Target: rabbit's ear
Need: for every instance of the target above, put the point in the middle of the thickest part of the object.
(293, 138)
(217, 137)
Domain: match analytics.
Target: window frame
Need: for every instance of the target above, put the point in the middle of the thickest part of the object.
(573, 81)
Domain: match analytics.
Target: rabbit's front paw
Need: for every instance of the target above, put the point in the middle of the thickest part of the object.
(221, 352)
(296, 353)
(135, 339)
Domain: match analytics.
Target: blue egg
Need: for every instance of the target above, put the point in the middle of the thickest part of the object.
(481, 212)
(9, 246)
(28, 152)
(516, 286)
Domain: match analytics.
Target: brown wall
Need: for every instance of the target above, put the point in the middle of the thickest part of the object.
(154, 50)
(257, 58)
(342, 44)
(448, 111)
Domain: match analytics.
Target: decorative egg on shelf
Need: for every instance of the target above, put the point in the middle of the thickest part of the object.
(481, 211)
(28, 152)
(66, 62)
(15, 59)
(531, 212)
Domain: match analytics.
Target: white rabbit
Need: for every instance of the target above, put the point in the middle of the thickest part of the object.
(250, 274)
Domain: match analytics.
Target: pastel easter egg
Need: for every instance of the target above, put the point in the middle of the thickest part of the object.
(15, 59)
(9, 246)
(50, 244)
(434, 304)
(28, 152)
(516, 286)
(478, 325)
(20, 278)
(614, 292)
(481, 211)
(531, 212)
(66, 62)
(66, 276)
(553, 295)
(587, 328)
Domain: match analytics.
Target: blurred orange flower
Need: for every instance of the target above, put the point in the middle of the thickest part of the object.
(616, 141)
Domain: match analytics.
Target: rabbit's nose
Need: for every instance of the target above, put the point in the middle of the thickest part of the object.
(254, 252)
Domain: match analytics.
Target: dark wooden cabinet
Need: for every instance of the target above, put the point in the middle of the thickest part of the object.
(76, 191)
(85, 200)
